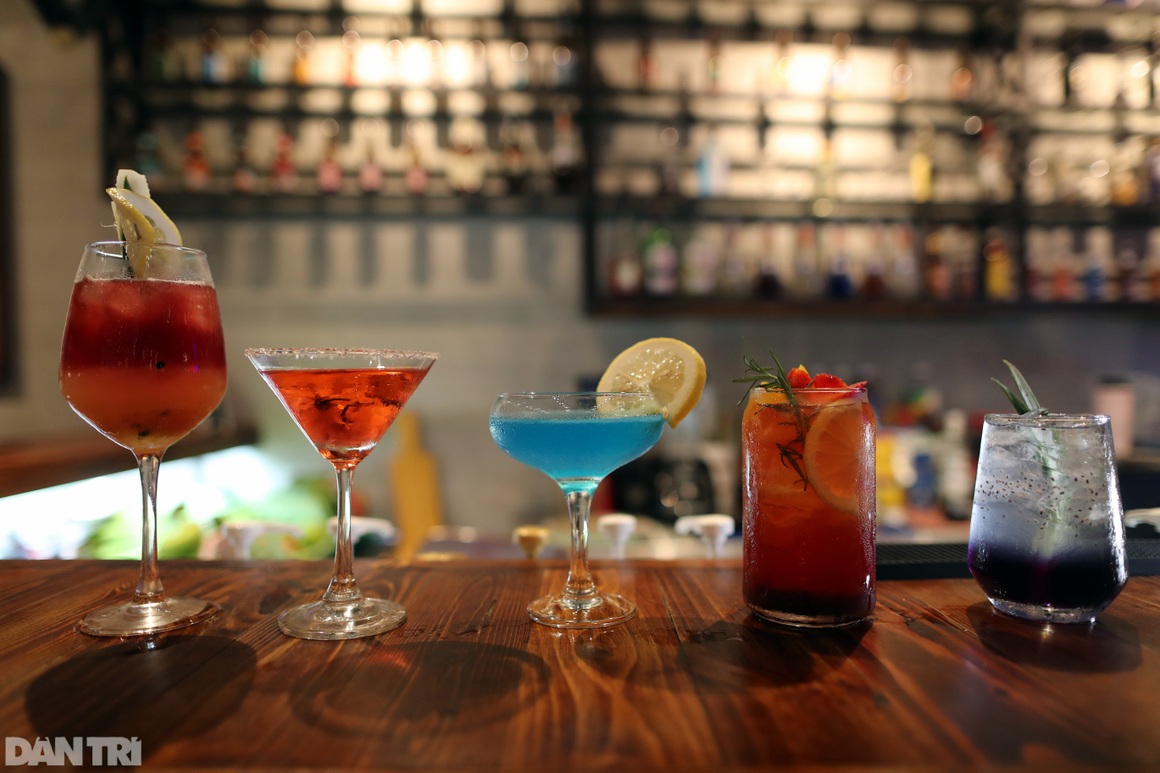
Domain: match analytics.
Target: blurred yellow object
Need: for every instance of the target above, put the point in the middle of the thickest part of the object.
(418, 506)
(531, 539)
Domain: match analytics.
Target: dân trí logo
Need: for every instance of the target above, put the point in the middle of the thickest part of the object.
(93, 752)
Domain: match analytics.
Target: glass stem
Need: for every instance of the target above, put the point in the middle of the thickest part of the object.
(343, 588)
(580, 587)
(149, 588)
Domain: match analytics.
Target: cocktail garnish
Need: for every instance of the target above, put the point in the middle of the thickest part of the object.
(1025, 402)
(794, 454)
(671, 370)
(140, 222)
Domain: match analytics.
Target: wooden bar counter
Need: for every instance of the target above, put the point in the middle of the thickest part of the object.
(938, 680)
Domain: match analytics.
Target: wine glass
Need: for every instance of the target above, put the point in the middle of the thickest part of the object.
(343, 400)
(143, 361)
(576, 439)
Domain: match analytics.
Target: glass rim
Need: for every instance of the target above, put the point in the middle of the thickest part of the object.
(505, 395)
(114, 248)
(812, 390)
(1063, 420)
(266, 351)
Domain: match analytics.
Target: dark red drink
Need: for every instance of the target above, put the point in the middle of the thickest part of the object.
(143, 361)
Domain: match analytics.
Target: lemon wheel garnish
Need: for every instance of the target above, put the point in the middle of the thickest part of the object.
(670, 369)
(832, 454)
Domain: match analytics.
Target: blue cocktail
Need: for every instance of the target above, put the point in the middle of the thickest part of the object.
(576, 439)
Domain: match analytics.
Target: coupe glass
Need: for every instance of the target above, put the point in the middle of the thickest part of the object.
(143, 362)
(343, 400)
(577, 438)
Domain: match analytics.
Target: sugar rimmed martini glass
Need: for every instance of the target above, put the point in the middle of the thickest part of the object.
(344, 401)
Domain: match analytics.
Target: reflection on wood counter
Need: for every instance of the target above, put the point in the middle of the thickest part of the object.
(469, 682)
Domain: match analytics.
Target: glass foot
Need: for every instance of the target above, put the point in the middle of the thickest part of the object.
(600, 611)
(328, 620)
(135, 619)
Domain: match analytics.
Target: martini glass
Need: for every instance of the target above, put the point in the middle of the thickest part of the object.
(343, 400)
(143, 361)
(576, 439)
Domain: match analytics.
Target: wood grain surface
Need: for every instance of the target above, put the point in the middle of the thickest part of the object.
(937, 680)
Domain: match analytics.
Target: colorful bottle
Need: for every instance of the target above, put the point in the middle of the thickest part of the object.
(661, 264)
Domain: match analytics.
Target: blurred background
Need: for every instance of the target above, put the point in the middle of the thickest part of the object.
(815, 180)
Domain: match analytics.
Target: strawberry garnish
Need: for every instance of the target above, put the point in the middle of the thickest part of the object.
(799, 377)
(828, 381)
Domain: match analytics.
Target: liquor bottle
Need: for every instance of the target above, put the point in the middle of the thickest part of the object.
(302, 70)
(661, 264)
(964, 262)
(564, 51)
(513, 160)
(700, 265)
(1152, 169)
(480, 65)
(351, 43)
(738, 271)
(644, 65)
(1125, 183)
(1063, 286)
(195, 169)
(769, 280)
(669, 173)
(782, 64)
(902, 76)
(994, 184)
(1130, 287)
(328, 176)
(874, 285)
(807, 281)
(939, 276)
(921, 166)
(903, 279)
(564, 153)
(518, 53)
(283, 173)
(625, 272)
(962, 85)
(164, 63)
(1073, 77)
(1098, 275)
(415, 178)
(839, 283)
(465, 169)
(147, 160)
(841, 74)
(998, 269)
(1150, 271)
(243, 177)
(712, 166)
(255, 68)
(825, 180)
(370, 174)
(212, 62)
(713, 65)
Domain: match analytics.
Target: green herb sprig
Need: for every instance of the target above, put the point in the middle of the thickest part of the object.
(1025, 402)
(762, 377)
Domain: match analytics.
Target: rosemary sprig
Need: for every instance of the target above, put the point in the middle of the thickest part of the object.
(762, 377)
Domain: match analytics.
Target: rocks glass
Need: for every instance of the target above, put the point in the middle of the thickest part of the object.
(1047, 534)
